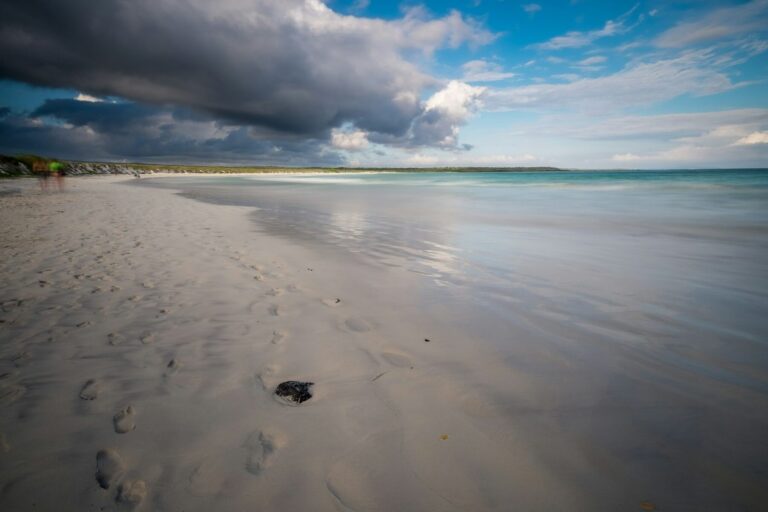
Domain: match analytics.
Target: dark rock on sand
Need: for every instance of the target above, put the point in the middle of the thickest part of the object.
(294, 391)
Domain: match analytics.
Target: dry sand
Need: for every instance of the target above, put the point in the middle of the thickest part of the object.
(143, 334)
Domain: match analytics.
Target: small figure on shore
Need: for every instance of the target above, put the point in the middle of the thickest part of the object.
(58, 171)
(40, 169)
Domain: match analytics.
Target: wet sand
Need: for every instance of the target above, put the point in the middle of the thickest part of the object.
(143, 333)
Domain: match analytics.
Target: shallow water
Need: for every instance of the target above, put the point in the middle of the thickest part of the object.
(633, 304)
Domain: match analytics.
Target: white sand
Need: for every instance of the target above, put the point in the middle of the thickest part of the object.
(151, 329)
(157, 327)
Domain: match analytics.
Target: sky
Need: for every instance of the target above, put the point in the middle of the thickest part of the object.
(589, 84)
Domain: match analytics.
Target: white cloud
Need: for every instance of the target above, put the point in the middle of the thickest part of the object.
(607, 140)
(567, 77)
(469, 160)
(484, 71)
(353, 140)
(88, 98)
(661, 127)
(418, 31)
(753, 138)
(592, 61)
(555, 60)
(640, 84)
(578, 39)
(444, 112)
(456, 101)
(718, 24)
(359, 5)
(626, 157)
(531, 8)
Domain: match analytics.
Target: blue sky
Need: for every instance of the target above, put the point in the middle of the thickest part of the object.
(571, 83)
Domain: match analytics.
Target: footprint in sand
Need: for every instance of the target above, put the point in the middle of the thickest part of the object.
(399, 360)
(132, 492)
(115, 339)
(147, 337)
(109, 467)
(275, 310)
(258, 276)
(278, 337)
(125, 420)
(261, 448)
(356, 325)
(267, 376)
(90, 390)
(332, 303)
(172, 368)
(274, 292)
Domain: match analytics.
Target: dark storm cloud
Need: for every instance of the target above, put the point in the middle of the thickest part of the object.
(81, 130)
(289, 66)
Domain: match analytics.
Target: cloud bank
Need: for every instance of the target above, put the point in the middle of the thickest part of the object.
(279, 67)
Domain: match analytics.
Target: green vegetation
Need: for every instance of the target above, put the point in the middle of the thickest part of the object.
(37, 161)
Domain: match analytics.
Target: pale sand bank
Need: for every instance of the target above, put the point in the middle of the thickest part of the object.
(143, 335)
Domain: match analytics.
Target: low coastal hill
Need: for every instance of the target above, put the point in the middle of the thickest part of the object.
(23, 165)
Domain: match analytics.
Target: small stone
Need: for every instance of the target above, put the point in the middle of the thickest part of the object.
(294, 391)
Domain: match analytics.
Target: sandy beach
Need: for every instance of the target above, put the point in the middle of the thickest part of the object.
(123, 301)
(144, 333)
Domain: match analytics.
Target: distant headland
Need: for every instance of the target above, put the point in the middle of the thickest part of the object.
(23, 165)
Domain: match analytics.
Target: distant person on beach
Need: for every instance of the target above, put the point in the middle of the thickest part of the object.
(43, 173)
(58, 171)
